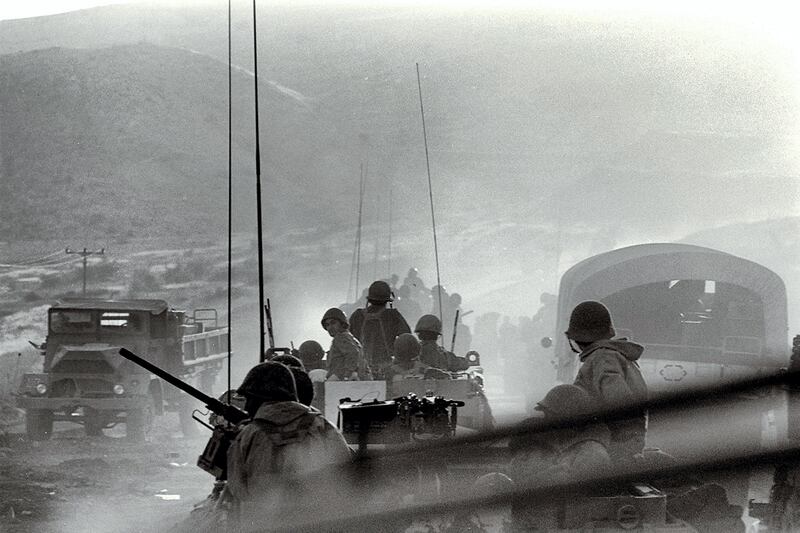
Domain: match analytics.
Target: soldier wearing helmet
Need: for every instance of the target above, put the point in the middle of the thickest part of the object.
(345, 357)
(428, 329)
(415, 284)
(311, 354)
(302, 381)
(377, 326)
(406, 359)
(286, 442)
(568, 455)
(610, 374)
(407, 306)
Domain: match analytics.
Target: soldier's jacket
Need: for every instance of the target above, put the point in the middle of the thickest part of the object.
(376, 328)
(561, 455)
(270, 461)
(434, 355)
(346, 356)
(611, 376)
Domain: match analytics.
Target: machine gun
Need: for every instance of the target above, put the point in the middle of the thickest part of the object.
(214, 458)
(404, 419)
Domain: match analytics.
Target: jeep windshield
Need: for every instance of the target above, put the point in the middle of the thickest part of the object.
(64, 321)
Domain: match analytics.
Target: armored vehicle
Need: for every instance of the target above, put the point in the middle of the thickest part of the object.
(84, 380)
(466, 386)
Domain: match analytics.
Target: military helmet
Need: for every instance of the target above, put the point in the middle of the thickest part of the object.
(406, 347)
(429, 323)
(269, 382)
(379, 291)
(338, 314)
(435, 290)
(311, 351)
(288, 360)
(492, 483)
(565, 400)
(305, 388)
(590, 321)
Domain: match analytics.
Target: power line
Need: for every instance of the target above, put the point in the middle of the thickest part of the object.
(85, 255)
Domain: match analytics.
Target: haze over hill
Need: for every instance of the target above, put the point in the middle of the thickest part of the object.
(552, 136)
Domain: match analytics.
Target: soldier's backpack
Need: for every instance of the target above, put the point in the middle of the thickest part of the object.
(377, 347)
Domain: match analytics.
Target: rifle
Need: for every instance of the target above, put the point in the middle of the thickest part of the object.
(270, 333)
(214, 458)
(271, 352)
(455, 330)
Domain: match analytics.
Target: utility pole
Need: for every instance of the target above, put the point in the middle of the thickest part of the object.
(85, 254)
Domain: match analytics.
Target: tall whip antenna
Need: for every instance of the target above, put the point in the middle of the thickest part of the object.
(389, 261)
(376, 251)
(358, 238)
(261, 311)
(230, 192)
(430, 194)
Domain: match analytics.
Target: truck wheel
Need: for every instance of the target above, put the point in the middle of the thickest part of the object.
(39, 424)
(138, 424)
(93, 422)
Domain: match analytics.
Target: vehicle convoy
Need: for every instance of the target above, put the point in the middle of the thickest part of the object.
(84, 380)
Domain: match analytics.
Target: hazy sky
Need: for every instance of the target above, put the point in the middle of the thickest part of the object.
(775, 15)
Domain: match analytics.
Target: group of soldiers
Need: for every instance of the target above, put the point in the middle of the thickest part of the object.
(375, 342)
(413, 299)
(282, 460)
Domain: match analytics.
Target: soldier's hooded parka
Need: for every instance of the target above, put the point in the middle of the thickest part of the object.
(610, 374)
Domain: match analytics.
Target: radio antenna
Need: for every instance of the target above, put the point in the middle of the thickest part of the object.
(430, 194)
(261, 309)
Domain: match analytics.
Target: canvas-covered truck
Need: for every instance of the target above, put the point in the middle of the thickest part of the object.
(84, 379)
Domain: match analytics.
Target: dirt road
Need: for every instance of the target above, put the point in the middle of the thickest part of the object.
(74, 483)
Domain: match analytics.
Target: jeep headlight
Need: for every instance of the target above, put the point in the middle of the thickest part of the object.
(41, 388)
(118, 389)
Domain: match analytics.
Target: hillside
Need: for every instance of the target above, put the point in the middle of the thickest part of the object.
(538, 116)
(131, 141)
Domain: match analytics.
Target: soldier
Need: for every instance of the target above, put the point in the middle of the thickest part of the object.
(312, 354)
(407, 306)
(436, 291)
(377, 326)
(610, 374)
(302, 381)
(428, 329)
(406, 359)
(272, 456)
(415, 284)
(345, 357)
(566, 455)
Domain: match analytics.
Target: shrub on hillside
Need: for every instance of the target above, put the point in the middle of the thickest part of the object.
(142, 280)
